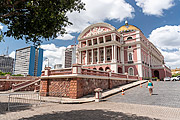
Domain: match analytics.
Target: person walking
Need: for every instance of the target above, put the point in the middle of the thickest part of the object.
(150, 86)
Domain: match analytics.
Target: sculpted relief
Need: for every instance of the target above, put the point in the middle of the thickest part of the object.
(95, 31)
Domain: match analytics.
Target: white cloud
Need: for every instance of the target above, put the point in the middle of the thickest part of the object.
(99, 11)
(1, 27)
(172, 59)
(54, 54)
(154, 7)
(65, 37)
(167, 39)
(12, 54)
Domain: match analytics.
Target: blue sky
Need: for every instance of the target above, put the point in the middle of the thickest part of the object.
(159, 20)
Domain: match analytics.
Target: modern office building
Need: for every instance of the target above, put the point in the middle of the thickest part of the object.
(124, 50)
(70, 56)
(6, 64)
(29, 61)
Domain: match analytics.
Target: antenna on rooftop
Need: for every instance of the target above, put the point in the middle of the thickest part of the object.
(7, 50)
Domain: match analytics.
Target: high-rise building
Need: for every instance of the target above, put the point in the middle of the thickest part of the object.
(70, 56)
(6, 64)
(29, 61)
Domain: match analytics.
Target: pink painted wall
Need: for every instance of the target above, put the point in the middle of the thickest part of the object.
(134, 67)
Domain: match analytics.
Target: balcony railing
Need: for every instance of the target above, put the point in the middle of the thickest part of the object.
(85, 71)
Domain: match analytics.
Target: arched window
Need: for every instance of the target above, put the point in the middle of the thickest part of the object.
(101, 68)
(107, 69)
(131, 71)
(129, 38)
(130, 58)
(94, 68)
(119, 70)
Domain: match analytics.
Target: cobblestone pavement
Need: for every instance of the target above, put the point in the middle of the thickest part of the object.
(135, 104)
(94, 111)
(164, 94)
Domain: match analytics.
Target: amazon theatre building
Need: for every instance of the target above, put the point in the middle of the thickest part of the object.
(124, 50)
(106, 57)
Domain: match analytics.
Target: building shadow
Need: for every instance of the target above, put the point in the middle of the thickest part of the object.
(13, 108)
(87, 115)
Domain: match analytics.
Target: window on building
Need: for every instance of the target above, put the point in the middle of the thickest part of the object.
(101, 68)
(130, 71)
(129, 38)
(101, 40)
(101, 54)
(90, 56)
(108, 38)
(95, 41)
(95, 56)
(117, 38)
(89, 42)
(130, 57)
(107, 69)
(129, 47)
(108, 53)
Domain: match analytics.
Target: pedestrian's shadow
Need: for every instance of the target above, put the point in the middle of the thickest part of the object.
(154, 94)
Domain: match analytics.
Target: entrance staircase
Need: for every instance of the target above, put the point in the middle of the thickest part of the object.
(26, 84)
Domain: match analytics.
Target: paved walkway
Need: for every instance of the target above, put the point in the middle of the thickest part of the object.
(94, 111)
(164, 94)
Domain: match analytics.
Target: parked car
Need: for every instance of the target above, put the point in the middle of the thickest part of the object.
(175, 78)
(167, 79)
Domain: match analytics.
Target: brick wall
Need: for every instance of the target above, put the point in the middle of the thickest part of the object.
(76, 87)
(6, 84)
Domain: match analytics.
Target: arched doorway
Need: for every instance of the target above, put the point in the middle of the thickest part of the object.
(101, 68)
(119, 70)
(107, 69)
(156, 73)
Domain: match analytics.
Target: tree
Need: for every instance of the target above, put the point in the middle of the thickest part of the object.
(34, 20)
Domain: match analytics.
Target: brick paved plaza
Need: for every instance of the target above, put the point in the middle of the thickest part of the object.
(135, 104)
(165, 94)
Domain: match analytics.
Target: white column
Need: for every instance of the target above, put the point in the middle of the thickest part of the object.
(119, 54)
(92, 53)
(98, 55)
(86, 42)
(86, 57)
(104, 39)
(122, 59)
(104, 55)
(92, 41)
(97, 40)
(112, 53)
(80, 44)
(115, 53)
(80, 57)
(112, 38)
(137, 36)
(139, 60)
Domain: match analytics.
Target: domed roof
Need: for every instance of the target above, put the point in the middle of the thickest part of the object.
(127, 27)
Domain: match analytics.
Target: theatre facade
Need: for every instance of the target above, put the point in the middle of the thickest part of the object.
(124, 50)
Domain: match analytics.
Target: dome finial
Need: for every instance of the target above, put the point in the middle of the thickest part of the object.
(126, 22)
